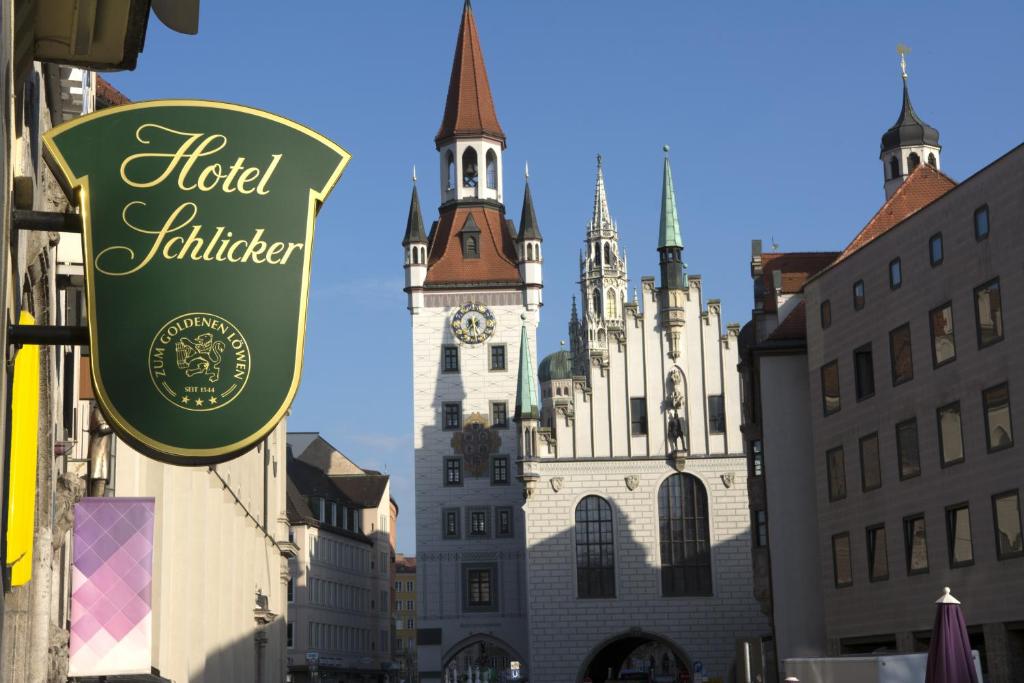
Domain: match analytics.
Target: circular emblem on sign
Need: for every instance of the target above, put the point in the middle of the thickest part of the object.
(473, 323)
(199, 361)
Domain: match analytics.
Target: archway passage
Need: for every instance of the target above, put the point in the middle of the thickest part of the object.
(636, 657)
(479, 659)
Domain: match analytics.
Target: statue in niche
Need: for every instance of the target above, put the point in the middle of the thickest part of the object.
(676, 400)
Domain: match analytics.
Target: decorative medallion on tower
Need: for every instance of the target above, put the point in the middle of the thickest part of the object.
(473, 323)
(476, 443)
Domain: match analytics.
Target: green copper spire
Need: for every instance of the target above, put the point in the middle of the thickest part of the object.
(669, 235)
(527, 406)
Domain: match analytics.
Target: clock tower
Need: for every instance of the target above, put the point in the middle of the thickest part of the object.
(473, 285)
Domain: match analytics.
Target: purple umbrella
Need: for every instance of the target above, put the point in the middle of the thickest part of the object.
(949, 655)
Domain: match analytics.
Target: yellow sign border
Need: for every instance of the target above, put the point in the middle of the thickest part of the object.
(80, 185)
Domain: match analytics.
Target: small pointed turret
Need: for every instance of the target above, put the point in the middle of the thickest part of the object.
(670, 241)
(601, 218)
(414, 233)
(909, 142)
(528, 229)
(527, 404)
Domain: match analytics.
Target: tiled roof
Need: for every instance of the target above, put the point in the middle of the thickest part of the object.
(405, 564)
(793, 327)
(921, 188)
(365, 490)
(470, 107)
(796, 268)
(107, 95)
(497, 260)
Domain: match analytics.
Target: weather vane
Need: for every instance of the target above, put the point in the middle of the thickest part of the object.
(903, 51)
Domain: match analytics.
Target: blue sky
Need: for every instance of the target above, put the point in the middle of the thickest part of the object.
(773, 111)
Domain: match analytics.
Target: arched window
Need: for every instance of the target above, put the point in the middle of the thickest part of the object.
(913, 161)
(931, 161)
(685, 543)
(472, 248)
(595, 549)
(607, 254)
(612, 307)
(597, 302)
(451, 170)
(470, 172)
(492, 170)
(894, 167)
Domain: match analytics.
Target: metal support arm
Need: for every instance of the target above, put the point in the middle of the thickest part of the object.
(48, 335)
(49, 221)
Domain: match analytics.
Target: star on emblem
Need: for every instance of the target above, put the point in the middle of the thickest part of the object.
(184, 399)
(199, 401)
(213, 400)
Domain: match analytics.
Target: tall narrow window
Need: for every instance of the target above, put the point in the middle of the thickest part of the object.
(878, 554)
(471, 247)
(981, 223)
(716, 414)
(479, 525)
(836, 464)
(452, 415)
(842, 569)
(998, 426)
(451, 170)
(932, 161)
(480, 589)
(913, 161)
(595, 549)
(943, 339)
(760, 528)
(870, 466)
(958, 535)
(685, 538)
(499, 414)
(907, 450)
(451, 523)
(951, 438)
(858, 295)
(988, 313)
(452, 472)
(450, 355)
(895, 274)
(613, 311)
(597, 302)
(830, 387)
(756, 458)
(864, 372)
(935, 254)
(826, 314)
(894, 167)
(498, 357)
(901, 355)
(638, 416)
(915, 543)
(470, 170)
(1006, 512)
(492, 170)
(503, 522)
(607, 254)
(499, 470)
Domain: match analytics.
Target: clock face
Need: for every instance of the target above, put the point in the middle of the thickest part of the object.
(473, 323)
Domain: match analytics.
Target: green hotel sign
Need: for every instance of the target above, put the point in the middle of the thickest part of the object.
(197, 240)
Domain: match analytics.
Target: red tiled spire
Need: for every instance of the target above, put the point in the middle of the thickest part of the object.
(470, 107)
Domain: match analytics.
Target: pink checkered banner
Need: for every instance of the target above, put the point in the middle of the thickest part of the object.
(111, 587)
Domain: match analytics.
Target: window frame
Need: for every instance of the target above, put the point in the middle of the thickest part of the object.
(950, 509)
(858, 390)
(832, 496)
(862, 297)
(698, 503)
(899, 449)
(943, 462)
(453, 460)
(492, 580)
(494, 471)
(932, 241)
(635, 426)
(457, 534)
(988, 223)
(897, 282)
(936, 363)
(985, 414)
(713, 425)
(849, 560)
(825, 311)
(892, 354)
(908, 543)
(872, 549)
(585, 585)
(445, 350)
(878, 459)
(478, 510)
(491, 348)
(977, 314)
(444, 416)
(498, 533)
(759, 524)
(504, 424)
(995, 524)
(839, 394)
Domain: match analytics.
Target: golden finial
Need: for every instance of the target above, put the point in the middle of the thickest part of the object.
(903, 51)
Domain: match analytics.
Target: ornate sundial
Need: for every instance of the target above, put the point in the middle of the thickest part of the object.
(473, 323)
